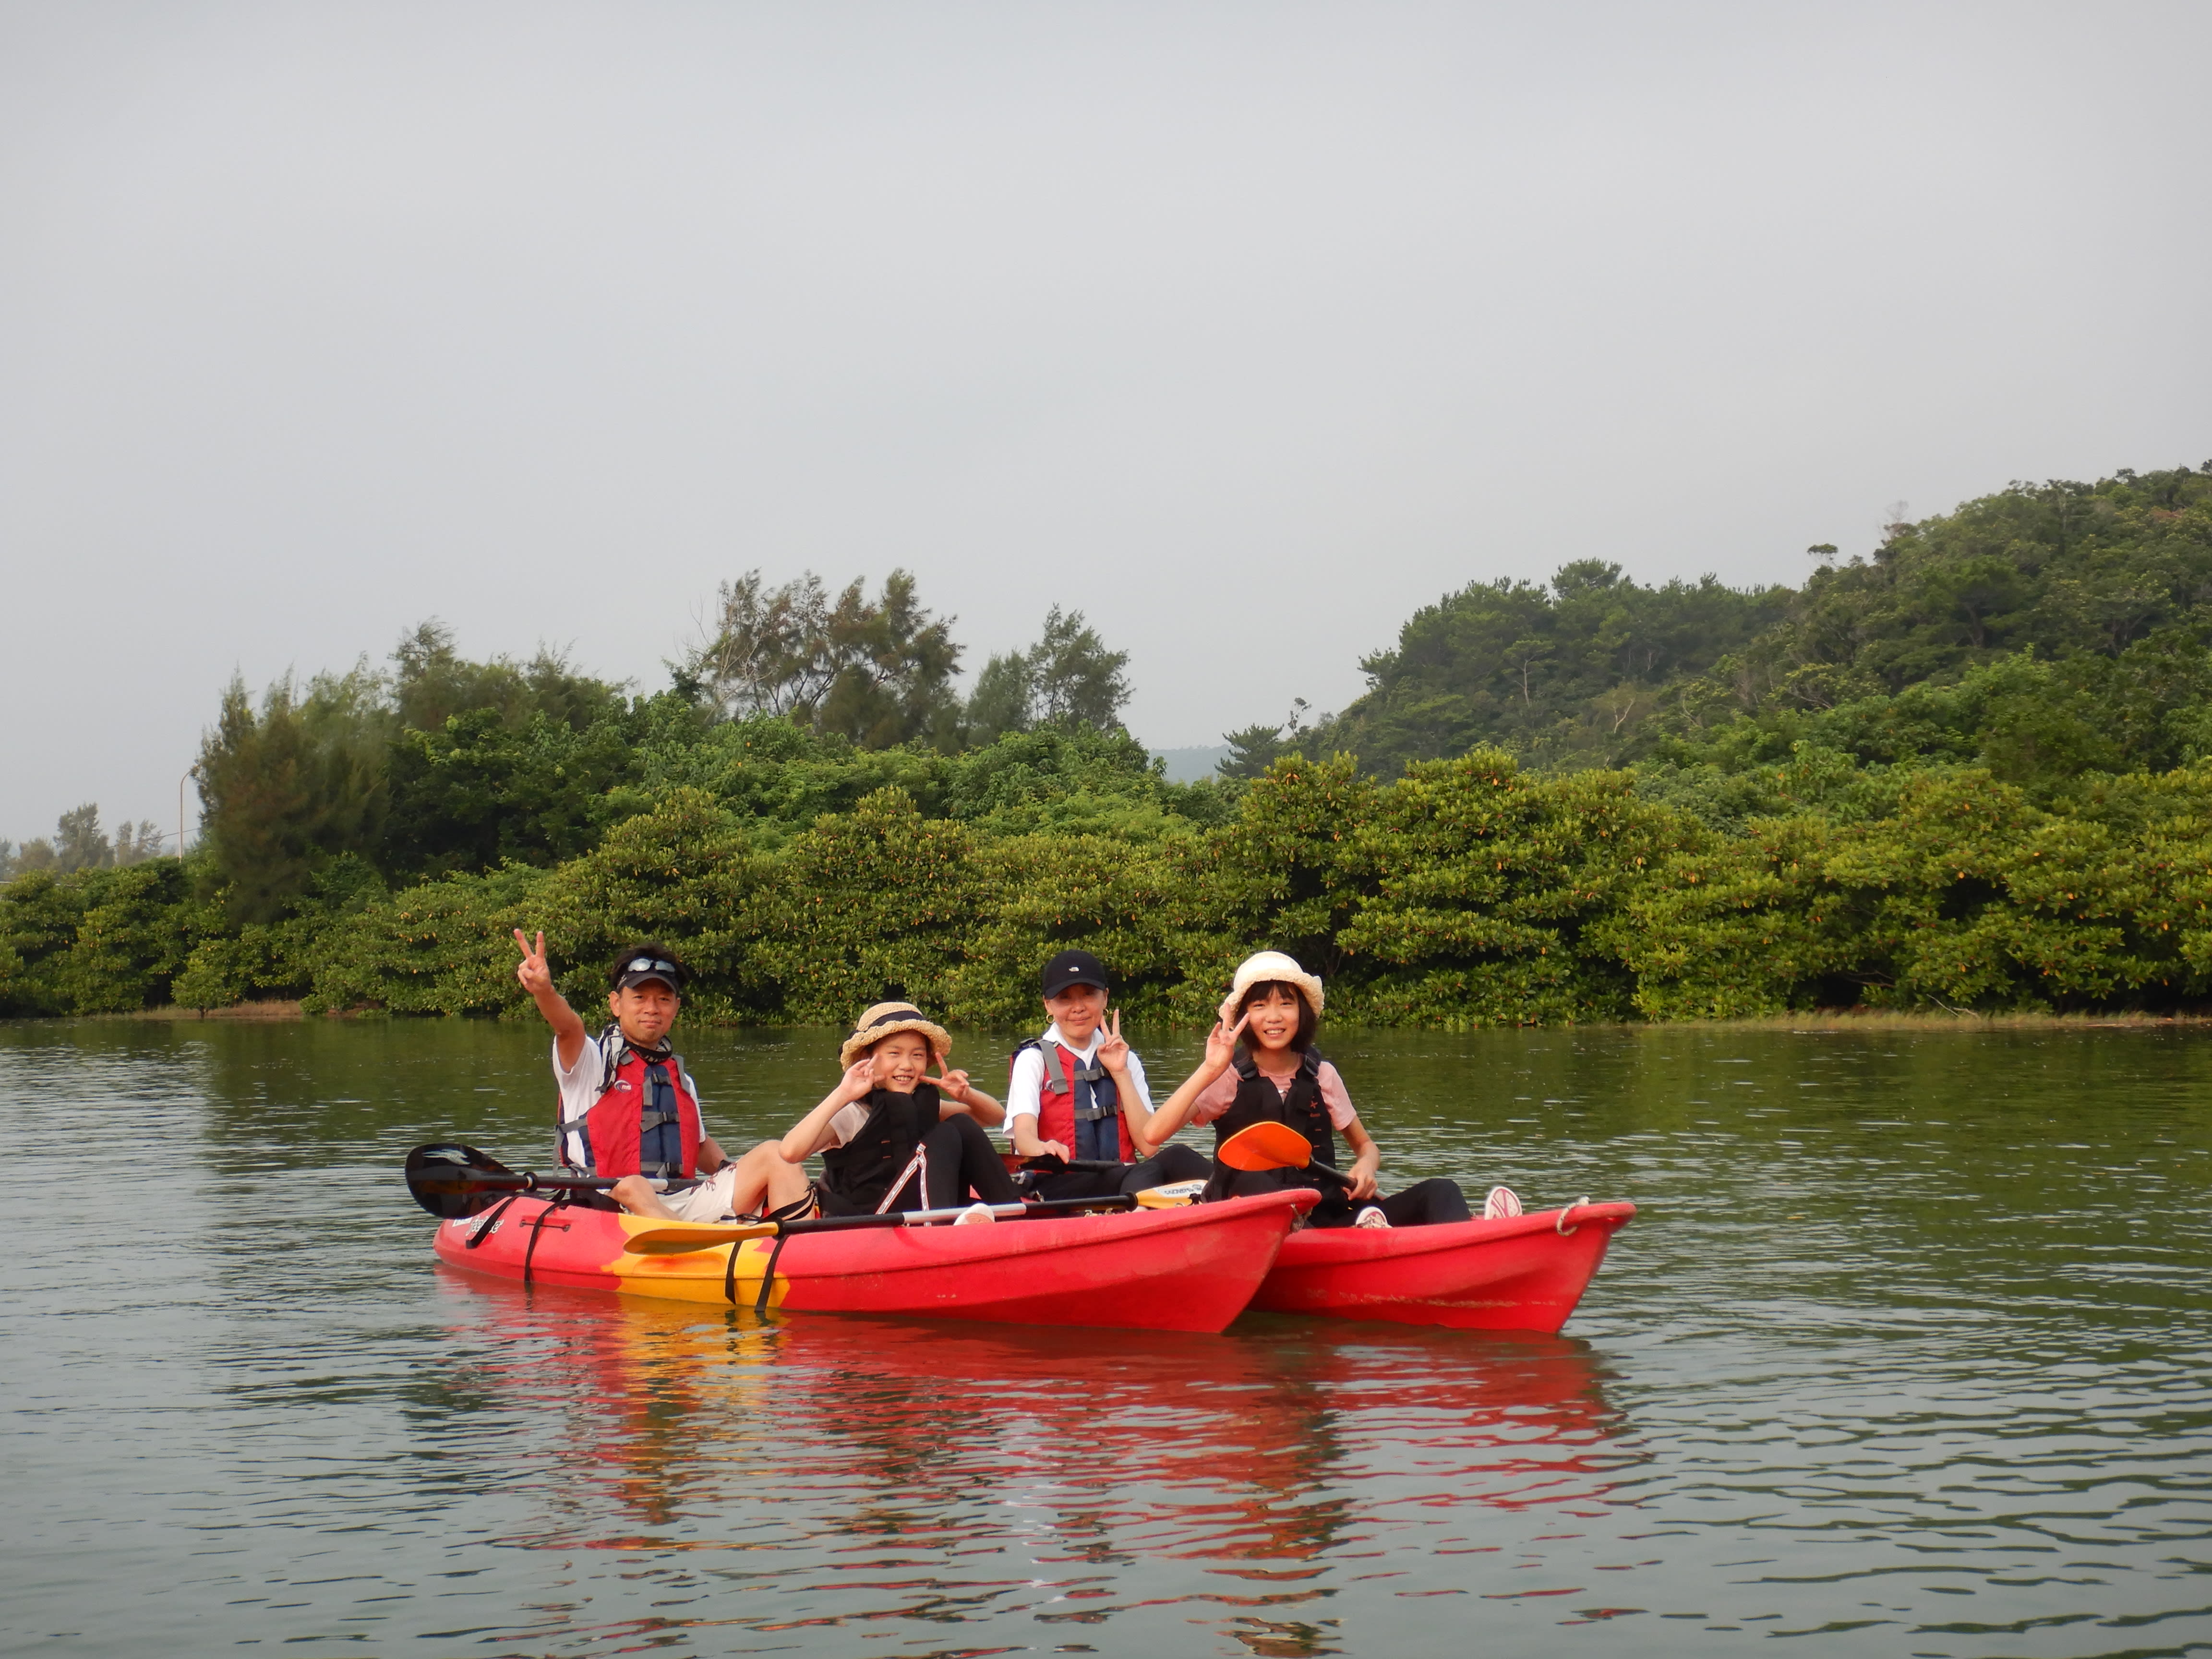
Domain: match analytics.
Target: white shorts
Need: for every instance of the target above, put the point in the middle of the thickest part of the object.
(708, 1201)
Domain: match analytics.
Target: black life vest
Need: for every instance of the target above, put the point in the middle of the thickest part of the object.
(1259, 1101)
(856, 1175)
(1079, 1107)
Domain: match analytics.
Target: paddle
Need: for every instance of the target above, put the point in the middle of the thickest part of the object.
(1268, 1145)
(1173, 1196)
(677, 1237)
(453, 1180)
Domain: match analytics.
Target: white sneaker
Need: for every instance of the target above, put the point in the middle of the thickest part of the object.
(974, 1214)
(1502, 1204)
(1370, 1217)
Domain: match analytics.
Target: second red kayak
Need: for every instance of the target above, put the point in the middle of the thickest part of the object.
(1187, 1269)
(1523, 1273)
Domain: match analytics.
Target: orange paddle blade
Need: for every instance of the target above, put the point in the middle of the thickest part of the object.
(1265, 1147)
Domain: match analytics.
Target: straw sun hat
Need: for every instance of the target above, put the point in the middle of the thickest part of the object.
(1268, 965)
(888, 1019)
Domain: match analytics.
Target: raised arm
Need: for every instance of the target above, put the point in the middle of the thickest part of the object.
(537, 977)
(812, 1132)
(1220, 1050)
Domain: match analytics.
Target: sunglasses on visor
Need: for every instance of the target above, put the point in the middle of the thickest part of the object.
(649, 965)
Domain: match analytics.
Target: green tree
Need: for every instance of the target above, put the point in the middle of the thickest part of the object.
(79, 842)
(1490, 885)
(1068, 679)
(1568, 673)
(288, 788)
(1254, 749)
(878, 672)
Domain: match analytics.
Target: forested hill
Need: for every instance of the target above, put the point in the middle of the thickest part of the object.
(2044, 631)
(1972, 769)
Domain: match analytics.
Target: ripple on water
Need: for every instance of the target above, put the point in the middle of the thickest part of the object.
(1914, 1362)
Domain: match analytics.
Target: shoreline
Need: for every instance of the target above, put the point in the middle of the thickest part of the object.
(1813, 1022)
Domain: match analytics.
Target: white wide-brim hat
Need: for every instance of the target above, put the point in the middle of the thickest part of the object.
(1268, 966)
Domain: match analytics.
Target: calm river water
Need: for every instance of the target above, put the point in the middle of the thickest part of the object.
(1908, 1352)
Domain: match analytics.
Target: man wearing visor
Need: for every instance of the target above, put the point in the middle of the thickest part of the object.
(629, 1108)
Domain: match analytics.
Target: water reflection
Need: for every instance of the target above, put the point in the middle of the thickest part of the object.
(1907, 1353)
(1271, 1458)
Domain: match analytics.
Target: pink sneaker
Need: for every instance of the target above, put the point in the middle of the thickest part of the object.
(1370, 1217)
(1502, 1204)
(974, 1215)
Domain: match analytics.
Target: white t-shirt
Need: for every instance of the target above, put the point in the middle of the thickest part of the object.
(1025, 1089)
(848, 1122)
(579, 1092)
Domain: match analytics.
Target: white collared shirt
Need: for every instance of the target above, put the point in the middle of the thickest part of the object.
(1026, 1087)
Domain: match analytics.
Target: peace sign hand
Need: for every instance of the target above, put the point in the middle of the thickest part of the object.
(1221, 1041)
(1113, 1047)
(534, 971)
(953, 1084)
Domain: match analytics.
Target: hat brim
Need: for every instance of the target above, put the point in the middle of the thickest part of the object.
(631, 982)
(940, 1041)
(1305, 984)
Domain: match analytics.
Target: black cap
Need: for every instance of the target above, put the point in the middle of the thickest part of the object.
(650, 966)
(1074, 967)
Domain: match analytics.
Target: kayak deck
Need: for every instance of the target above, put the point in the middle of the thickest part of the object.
(1188, 1269)
(1525, 1273)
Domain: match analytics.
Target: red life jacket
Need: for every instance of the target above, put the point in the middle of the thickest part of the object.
(1056, 1102)
(618, 1122)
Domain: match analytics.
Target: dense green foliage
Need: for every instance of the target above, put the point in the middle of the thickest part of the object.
(2044, 632)
(1466, 891)
(1972, 771)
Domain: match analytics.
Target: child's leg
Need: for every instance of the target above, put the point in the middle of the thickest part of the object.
(960, 1155)
(1426, 1204)
(766, 1180)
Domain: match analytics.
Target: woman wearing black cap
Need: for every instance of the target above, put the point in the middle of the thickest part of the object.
(1077, 1095)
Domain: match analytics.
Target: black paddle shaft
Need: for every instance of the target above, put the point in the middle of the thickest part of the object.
(450, 1181)
(1034, 1209)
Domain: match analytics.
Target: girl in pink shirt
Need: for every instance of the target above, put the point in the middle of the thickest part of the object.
(1261, 1064)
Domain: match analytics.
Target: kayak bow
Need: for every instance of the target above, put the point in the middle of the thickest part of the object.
(1525, 1273)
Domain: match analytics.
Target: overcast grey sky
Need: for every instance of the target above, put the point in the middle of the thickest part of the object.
(1246, 329)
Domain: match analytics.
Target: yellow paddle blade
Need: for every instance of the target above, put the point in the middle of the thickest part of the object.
(651, 1238)
(1265, 1147)
(1171, 1196)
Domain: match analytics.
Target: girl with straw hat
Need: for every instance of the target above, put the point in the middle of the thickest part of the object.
(1261, 1065)
(892, 1138)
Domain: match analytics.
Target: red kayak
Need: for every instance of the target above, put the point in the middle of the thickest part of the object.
(1524, 1273)
(1186, 1269)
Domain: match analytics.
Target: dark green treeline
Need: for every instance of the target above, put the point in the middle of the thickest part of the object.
(1972, 769)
